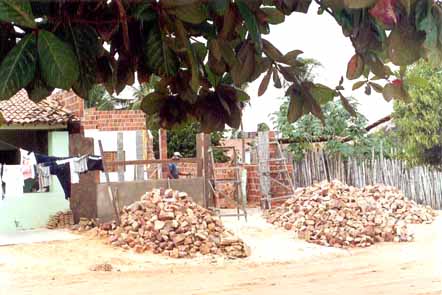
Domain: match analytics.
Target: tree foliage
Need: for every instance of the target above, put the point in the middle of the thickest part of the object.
(339, 124)
(419, 123)
(183, 140)
(204, 51)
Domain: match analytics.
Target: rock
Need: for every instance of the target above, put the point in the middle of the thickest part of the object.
(337, 215)
(168, 222)
(178, 239)
(166, 215)
(158, 225)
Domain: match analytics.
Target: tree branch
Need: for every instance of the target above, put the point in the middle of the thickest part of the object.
(329, 138)
(123, 20)
(328, 10)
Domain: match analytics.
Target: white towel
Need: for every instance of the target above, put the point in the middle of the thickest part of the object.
(13, 179)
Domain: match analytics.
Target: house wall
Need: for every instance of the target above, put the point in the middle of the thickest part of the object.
(109, 142)
(32, 210)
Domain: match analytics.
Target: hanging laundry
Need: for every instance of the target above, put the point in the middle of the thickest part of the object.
(95, 163)
(48, 159)
(75, 177)
(1, 183)
(27, 160)
(44, 176)
(63, 173)
(80, 164)
(13, 179)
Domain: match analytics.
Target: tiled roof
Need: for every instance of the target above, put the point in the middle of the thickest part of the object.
(19, 109)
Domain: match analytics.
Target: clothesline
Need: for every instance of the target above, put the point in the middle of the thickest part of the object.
(9, 145)
(38, 166)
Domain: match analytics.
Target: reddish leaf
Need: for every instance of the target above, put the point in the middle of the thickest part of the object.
(395, 90)
(265, 82)
(397, 82)
(276, 79)
(355, 67)
(385, 13)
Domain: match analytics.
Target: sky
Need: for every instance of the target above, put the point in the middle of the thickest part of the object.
(321, 38)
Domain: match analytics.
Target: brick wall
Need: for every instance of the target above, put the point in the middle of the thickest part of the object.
(70, 101)
(115, 120)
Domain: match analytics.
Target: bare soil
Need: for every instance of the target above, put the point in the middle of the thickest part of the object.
(67, 267)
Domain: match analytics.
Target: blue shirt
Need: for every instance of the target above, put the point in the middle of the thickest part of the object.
(173, 169)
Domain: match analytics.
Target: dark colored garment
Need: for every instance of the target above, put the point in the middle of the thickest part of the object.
(48, 159)
(63, 173)
(94, 163)
(1, 182)
(173, 169)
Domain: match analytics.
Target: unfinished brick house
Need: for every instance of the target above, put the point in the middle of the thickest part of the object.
(123, 133)
(124, 137)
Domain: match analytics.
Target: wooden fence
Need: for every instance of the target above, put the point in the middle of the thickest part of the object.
(420, 184)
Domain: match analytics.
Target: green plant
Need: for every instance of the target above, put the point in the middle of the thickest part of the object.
(419, 121)
(183, 140)
(339, 124)
(204, 52)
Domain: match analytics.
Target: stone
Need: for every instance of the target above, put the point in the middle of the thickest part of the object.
(166, 215)
(158, 225)
(168, 222)
(337, 215)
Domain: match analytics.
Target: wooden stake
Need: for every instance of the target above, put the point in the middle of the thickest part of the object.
(109, 188)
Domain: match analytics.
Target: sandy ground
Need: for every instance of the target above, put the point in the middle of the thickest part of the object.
(279, 265)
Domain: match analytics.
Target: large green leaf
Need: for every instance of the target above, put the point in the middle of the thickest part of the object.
(219, 6)
(191, 54)
(17, 11)
(152, 103)
(194, 13)
(274, 16)
(296, 107)
(160, 58)
(18, 67)
(432, 27)
(244, 69)
(85, 42)
(144, 12)
(322, 94)
(58, 63)
(404, 45)
(251, 23)
(38, 90)
(355, 4)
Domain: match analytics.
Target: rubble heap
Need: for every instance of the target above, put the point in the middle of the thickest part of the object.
(168, 222)
(337, 215)
(61, 219)
(85, 224)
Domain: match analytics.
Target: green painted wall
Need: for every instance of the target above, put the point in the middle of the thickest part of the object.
(32, 210)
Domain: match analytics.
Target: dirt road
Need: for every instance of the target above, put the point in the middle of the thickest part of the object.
(64, 268)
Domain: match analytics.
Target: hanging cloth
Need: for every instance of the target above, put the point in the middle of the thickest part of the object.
(13, 179)
(63, 173)
(44, 176)
(80, 164)
(95, 163)
(28, 161)
(75, 176)
(1, 183)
